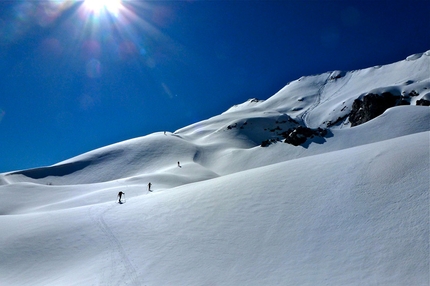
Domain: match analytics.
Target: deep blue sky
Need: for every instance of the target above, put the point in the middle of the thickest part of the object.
(74, 80)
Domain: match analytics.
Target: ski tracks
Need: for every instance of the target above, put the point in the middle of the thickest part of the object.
(305, 114)
(318, 101)
(121, 270)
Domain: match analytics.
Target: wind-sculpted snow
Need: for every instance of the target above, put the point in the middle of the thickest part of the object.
(56, 171)
(145, 156)
(346, 208)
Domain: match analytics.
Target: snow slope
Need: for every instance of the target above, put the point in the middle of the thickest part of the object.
(350, 208)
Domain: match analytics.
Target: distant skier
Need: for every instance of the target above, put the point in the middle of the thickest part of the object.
(120, 196)
(179, 165)
(149, 186)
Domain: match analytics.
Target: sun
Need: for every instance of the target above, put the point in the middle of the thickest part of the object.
(97, 6)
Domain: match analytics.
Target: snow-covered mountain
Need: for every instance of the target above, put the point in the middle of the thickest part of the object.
(324, 183)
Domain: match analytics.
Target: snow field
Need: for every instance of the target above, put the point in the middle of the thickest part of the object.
(335, 219)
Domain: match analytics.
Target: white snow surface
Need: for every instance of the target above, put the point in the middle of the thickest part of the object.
(351, 208)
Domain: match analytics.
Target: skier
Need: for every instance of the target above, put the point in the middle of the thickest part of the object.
(179, 165)
(120, 196)
(149, 186)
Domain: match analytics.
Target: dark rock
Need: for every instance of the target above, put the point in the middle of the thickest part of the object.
(338, 120)
(321, 132)
(265, 143)
(337, 74)
(413, 93)
(297, 136)
(372, 106)
(232, 126)
(423, 102)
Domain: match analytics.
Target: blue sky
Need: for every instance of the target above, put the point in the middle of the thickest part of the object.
(75, 77)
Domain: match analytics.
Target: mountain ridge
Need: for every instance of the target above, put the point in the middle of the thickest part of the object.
(303, 113)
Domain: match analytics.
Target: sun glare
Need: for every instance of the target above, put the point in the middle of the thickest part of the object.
(97, 6)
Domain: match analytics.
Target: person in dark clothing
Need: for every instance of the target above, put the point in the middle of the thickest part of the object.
(120, 196)
(149, 186)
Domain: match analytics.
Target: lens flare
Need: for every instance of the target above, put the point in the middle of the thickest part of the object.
(93, 68)
(97, 6)
(95, 37)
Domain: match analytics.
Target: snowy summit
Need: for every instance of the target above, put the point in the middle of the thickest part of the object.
(324, 183)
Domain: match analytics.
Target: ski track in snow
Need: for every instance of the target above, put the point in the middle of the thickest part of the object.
(126, 269)
(305, 114)
(345, 80)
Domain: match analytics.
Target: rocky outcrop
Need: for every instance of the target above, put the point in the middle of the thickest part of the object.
(372, 106)
(299, 135)
(423, 102)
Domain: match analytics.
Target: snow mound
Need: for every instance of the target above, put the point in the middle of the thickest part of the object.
(250, 103)
(414, 57)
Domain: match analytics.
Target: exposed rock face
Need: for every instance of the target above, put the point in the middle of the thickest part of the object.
(372, 106)
(423, 102)
(299, 135)
(267, 142)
